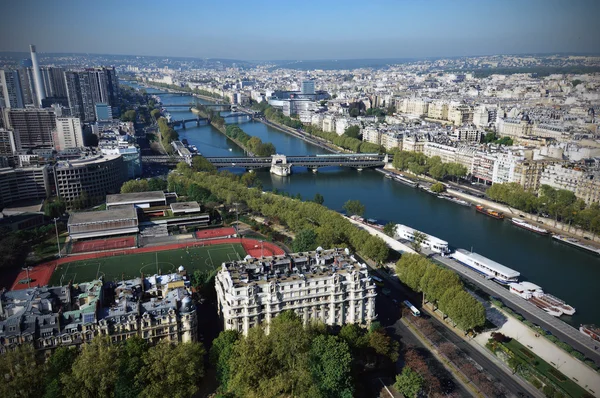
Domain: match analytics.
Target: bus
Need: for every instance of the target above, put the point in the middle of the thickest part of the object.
(378, 280)
(412, 308)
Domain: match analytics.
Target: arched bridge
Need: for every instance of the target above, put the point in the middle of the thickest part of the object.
(215, 107)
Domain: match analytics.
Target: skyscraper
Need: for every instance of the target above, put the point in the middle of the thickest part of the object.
(11, 89)
(37, 76)
(89, 87)
(32, 127)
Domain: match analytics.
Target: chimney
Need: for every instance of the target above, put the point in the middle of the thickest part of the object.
(37, 76)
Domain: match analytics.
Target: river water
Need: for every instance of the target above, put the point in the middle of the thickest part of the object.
(566, 272)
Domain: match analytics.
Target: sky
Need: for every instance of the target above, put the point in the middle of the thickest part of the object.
(303, 29)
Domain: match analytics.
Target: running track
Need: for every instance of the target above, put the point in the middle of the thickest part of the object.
(40, 274)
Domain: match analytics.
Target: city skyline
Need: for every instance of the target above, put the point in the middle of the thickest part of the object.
(310, 32)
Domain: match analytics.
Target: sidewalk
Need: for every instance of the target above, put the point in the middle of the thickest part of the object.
(576, 370)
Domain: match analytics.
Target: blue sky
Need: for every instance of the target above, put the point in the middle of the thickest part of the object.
(304, 29)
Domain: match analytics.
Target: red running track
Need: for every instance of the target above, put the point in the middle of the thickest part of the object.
(40, 274)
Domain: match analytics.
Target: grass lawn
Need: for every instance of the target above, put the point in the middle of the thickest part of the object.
(48, 248)
(572, 388)
(132, 265)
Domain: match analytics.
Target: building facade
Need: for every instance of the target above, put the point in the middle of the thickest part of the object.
(68, 133)
(32, 127)
(24, 183)
(329, 286)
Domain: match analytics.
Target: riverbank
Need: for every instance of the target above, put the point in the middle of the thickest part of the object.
(222, 130)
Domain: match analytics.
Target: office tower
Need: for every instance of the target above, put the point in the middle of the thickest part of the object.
(8, 145)
(27, 86)
(68, 133)
(307, 87)
(54, 82)
(37, 76)
(11, 89)
(32, 127)
(87, 88)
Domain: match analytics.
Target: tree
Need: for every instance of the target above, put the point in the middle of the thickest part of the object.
(81, 202)
(199, 163)
(157, 184)
(409, 382)
(135, 186)
(155, 113)
(438, 187)
(383, 345)
(375, 249)
(128, 116)
(354, 207)
(319, 198)
(418, 238)
(95, 371)
(220, 354)
(131, 364)
(306, 240)
(59, 363)
(352, 132)
(55, 208)
(20, 373)
(330, 365)
(173, 370)
(389, 229)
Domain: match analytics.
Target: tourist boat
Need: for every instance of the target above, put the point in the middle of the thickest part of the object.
(489, 268)
(489, 212)
(406, 181)
(590, 330)
(430, 242)
(529, 227)
(576, 243)
(455, 200)
(536, 296)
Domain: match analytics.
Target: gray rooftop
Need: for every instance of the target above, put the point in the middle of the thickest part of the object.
(180, 206)
(134, 197)
(116, 213)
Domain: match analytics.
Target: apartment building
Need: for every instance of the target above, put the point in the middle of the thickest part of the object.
(438, 110)
(24, 183)
(562, 176)
(328, 286)
(460, 114)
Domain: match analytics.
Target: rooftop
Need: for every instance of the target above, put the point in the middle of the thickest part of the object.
(134, 197)
(116, 213)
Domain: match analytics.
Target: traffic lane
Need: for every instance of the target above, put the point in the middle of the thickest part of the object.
(492, 369)
(389, 313)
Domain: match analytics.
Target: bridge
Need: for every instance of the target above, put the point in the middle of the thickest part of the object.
(197, 120)
(282, 164)
(165, 160)
(216, 107)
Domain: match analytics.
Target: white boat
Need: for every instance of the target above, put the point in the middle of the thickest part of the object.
(576, 243)
(436, 245)
(536, 296)
(485, 266)
(406, 181)
(558, 303)
(455, 200)
(526, 290)
(530, 227)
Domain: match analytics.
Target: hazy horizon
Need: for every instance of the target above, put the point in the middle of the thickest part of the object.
(312, 30)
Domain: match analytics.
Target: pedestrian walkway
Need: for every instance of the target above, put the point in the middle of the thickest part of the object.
(545, 349)
(391, 242)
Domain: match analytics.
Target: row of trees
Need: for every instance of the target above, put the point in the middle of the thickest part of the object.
(253, 144)
(560, 204)
(331, 228)
(167, 134)
(293, 360)
(153, 184)
(419, 164)
(213, 116)
(443, 288)
(346, 141)
(102, 369)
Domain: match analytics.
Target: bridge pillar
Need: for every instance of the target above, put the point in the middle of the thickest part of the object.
(278, 159)
(315, 169)
(283, 170)
(183, 124)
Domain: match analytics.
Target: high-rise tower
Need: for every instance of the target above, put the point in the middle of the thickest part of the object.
(37, 76)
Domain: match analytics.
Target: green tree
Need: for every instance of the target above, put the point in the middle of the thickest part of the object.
(131, 364)
(319, 199)
(155, 113)
(135, 186)
(354, 207)
(220, 355)
(375, 248)
(199, 163)
(54, 208)
(173, 370)
(250, 180)
(418, 238)
(438, 187)
(352, 132)
(21, 374)
(157, 184)
(409, 382)
(330, 365)
(128, 116)
(59, 363)
(305, 240)
(389, 229)
(383, 345)
(95, 371)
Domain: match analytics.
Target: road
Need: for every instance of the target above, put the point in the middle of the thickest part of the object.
(560, 329)
(399, 293)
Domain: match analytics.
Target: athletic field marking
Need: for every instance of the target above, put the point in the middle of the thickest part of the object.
(98, 271)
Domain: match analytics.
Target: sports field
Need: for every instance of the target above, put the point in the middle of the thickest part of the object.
(133, 265)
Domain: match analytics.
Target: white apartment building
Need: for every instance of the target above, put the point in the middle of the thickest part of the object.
(514, 128)
(391, 140)
(343, 123)
(468, 133)
(438, 110)
(328, 286)
(329, 122)
(561, 176)
(555, 131)
(504, 167)
(414, 106)
(372, 135)
(68, 133)
(445, 152)
(460, 114)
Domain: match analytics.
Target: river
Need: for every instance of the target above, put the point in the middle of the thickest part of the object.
(566, 272)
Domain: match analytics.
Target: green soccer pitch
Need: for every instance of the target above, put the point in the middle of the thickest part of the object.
(129, 266)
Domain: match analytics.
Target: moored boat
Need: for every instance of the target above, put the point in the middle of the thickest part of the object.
(530, 227)
(489, 212)
(455, 200)
(591, 330)
(576, 243)
(405, 181)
